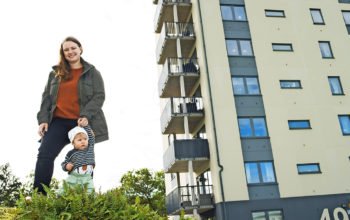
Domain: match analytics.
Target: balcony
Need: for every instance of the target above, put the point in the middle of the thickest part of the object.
(180, 152)
(172, 118)
(181, 199)
(165, 12)
(167, 47)
(169, 81)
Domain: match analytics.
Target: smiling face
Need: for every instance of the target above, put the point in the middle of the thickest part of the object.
(80, 141)
(72, 52)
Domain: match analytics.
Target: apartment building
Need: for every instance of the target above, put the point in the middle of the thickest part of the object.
(255, 108)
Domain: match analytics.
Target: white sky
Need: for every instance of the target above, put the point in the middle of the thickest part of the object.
(118, 38)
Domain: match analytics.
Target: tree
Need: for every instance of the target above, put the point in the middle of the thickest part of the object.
(9, 186)
(147, 186)
(27, 185)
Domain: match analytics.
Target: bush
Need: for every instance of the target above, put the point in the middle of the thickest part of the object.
(7, 213)
(9, 185)
(78, 204)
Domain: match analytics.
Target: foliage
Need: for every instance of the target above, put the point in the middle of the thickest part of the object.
(7, 213)
(148, 186)
(183, 217)
(141, 196)
(27, 186)
(76, 203)
(9, 185)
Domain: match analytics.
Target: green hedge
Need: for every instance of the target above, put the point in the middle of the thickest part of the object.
(78, 204)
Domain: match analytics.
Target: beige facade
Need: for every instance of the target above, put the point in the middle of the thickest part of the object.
(324, 143)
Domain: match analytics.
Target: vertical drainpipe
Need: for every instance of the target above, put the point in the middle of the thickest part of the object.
(213, 115)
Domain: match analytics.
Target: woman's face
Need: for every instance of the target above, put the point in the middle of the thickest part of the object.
(71, 52)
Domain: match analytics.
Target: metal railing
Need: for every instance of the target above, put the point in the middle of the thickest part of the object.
(161, 4)
(182, 197)
(180, 105)
(174, 30)
(185, 149)
(178, 29)
(177, 66)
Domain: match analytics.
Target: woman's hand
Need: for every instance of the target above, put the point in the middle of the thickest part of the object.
(69, 166)
(42, 129)
(83, 121)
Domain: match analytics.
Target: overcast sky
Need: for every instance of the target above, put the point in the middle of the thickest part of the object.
(118, 38)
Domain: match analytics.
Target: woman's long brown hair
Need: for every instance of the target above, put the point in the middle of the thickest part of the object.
(63, 68)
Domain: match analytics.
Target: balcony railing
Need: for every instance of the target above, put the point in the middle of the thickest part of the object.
(179, 152)
(169, 81)
(165, 13)
(181, 198)
(172, 118)
(171, 31)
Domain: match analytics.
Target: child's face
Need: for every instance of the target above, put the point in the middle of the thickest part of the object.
(80, 141)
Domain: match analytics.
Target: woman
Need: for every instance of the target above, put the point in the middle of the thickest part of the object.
(74, 95)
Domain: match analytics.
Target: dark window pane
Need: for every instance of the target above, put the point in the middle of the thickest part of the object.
(325, 48)
(259, 216)
(239, 13)
(344, 121)
(275, 215)
(252, 172)
(316, 16)
(245, 127)
(334, 83)
(274, 13)
(282, 47)
(290, 84)
(246, 48)
(226, 13)
(299, 124)
(259, 127)
(238, 86)
(252, 86)
(267, 172)
(308, 168)
(232, 47)
(346, 16)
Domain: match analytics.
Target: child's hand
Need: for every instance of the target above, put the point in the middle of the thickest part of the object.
(69, 166)
(82, 121)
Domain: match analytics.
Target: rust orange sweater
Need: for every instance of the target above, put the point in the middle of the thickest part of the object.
(67, 97)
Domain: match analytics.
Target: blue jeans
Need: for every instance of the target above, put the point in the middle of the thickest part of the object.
(54, 140)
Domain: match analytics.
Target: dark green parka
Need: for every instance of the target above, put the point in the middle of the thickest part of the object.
(91, 95)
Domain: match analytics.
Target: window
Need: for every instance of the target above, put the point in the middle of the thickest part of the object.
(239, 48)
(259, 172)
(268, 215)
(344, 121)
(299, 124)
(282, 47)
(308, 168)
(316, 15)
(325, 48)
(346, 16)
(290, 84)
(252, 127)
(233, 13)
(274, 13)
(335, 84)
(245, 86)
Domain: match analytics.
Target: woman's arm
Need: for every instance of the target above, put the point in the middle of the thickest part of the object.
(98, 96)
(43, 115)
